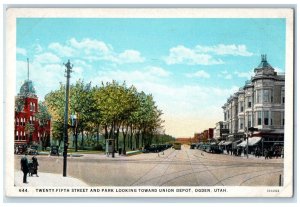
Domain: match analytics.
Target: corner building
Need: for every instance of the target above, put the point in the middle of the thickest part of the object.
(27, 127)
(260, 104)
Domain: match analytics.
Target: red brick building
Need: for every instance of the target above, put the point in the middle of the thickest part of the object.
(206, 135)
(28, 129)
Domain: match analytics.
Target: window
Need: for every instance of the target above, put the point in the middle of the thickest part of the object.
(249, 102)
(259, 118)
(17, 135)
(282, 96)
(249, 120)
(266, 96)
(266, 118)
(17, 122)
(241, 123)
(282, 118)
(258, 96)
(241, 106)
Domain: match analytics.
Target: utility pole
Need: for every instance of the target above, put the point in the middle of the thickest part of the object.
(68, 71)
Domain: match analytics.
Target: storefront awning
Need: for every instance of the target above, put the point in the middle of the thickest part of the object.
(221, 143)
(227, 143)
(251, 142)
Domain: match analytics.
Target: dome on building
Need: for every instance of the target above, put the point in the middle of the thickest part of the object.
(264, 63)
(27, 89)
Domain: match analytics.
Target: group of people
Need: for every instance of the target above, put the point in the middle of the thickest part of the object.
(276, 151)
(29, 167)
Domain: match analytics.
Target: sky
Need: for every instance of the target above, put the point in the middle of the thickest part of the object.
(191, 66)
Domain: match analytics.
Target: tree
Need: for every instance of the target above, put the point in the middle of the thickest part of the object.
(43, 117)
(54, 101)
(29, 129)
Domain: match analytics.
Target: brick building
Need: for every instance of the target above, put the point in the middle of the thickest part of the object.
(28, 129)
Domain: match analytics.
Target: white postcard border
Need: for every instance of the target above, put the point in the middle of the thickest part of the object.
(10, 74)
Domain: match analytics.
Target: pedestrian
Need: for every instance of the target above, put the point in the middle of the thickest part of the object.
(266, 154)
(24, 167)
(35, 165)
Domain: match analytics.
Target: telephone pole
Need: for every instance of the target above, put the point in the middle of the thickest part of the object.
(68, 71)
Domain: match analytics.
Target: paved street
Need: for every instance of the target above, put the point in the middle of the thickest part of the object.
(184, 167)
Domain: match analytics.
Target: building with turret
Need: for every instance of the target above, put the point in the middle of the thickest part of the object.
(259, 104)
(28, 128)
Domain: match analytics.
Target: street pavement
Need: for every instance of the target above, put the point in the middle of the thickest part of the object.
(186, 167)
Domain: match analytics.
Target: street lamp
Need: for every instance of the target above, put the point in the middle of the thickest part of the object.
(74, 126)
(65, 154)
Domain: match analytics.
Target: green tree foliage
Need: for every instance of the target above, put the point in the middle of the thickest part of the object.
(114, 110)
(43, 116)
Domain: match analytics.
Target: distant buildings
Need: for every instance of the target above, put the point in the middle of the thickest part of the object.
(185, 140)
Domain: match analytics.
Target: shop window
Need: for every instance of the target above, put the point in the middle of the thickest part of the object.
(266, 118)
(259, 118)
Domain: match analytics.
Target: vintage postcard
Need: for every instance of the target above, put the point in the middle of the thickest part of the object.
(149, 102)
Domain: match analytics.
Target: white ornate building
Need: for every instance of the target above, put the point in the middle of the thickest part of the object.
(260, 104)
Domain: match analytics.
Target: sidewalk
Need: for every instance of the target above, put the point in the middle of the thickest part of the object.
(47, 180)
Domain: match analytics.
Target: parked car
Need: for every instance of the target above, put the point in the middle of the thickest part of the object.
(193, 146)
(33, 150)
(54, 150)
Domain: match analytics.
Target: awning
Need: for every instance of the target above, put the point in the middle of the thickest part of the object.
(227, 143)
(251, 142)
(242, 144)
(221, 143)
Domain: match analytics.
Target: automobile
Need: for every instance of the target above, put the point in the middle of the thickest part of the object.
(33, 150)
(177, 146)
(54, 150)
(193, 146)
(21, 149)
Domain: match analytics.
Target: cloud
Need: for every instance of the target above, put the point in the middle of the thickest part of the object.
(38, 48)
(130, 56)
(199, 74)
(47, 58)
(61, 50)
(184, 55)
(221, 49)
(241, 74)
(21, 51)
(158, 71)
(45, 77)
(95, 50)
(147, 74)
(203, 55)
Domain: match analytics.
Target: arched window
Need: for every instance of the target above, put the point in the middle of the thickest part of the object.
(17, 135)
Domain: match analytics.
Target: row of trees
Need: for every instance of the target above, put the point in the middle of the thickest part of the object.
(114, 110)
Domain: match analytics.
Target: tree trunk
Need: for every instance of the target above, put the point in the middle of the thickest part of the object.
(98, 134)
(117, 136)
(82, 139)
(106, 132)
(130, 137)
